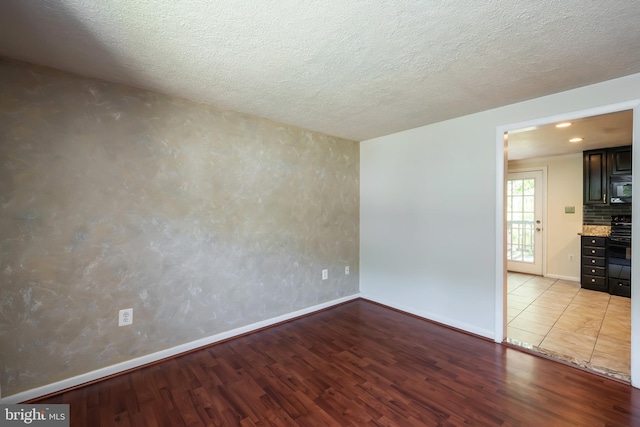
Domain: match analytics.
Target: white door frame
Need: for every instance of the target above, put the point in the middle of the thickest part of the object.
(501, 235)
(543, 213)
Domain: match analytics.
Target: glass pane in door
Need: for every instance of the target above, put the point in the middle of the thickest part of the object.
(520, 220)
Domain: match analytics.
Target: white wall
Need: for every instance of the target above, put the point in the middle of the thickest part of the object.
(564, 188)
(428, 200)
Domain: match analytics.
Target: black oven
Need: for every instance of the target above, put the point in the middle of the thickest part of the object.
(619, 256)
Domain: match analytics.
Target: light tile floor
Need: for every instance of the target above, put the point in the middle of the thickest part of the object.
(558, 318)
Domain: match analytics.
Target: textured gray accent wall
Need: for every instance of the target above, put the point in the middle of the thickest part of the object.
(201, 220)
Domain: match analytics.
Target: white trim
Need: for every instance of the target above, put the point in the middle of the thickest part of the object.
(561, 277)
(501, 167)
(487, 333)
(501, 238)
(163, 354)
(635, 260)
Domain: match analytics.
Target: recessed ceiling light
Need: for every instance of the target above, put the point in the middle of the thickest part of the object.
(523, 129)
(575, 140)
(563, 125)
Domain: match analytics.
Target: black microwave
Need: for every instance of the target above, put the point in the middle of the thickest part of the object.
(620, 191)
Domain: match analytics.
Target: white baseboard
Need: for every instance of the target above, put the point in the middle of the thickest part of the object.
(163, 354)
(560, 277)
(435, 318)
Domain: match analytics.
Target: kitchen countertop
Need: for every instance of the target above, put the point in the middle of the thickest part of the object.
(595, 230)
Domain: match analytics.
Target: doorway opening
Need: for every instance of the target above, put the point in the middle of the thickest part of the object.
(558, 286)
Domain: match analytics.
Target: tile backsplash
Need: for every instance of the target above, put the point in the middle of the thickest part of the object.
(601, 215)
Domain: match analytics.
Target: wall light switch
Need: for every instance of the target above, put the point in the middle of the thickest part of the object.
(346, 270)
(569, 209)
(325, 274)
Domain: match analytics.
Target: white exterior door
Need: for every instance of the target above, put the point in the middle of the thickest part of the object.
(524, 214)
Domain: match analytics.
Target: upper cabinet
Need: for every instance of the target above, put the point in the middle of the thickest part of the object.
(595, 177)
(599, 165)
(620, 160)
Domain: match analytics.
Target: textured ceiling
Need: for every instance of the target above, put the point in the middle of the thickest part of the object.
(355, 69)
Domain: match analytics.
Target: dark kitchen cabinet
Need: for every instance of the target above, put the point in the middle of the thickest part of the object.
(594, 263)
(599, 166)
(595, 177)
(620, 160)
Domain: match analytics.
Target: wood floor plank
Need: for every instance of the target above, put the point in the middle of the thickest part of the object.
(356, 364)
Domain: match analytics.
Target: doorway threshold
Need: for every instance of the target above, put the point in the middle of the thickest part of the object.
(569, 360)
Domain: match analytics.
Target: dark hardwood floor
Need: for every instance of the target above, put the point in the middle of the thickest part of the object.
(354, 365)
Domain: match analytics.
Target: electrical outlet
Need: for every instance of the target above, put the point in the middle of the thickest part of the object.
(325, 274)
(346, 269)
(125, 317)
